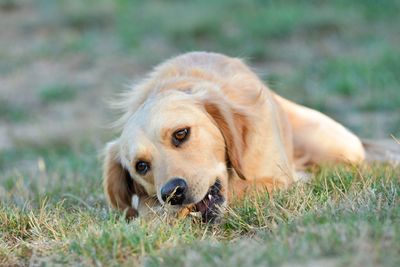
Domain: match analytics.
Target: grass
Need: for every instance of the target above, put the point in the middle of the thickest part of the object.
(341, 57)
(12, 113)
(332, 47)
(348, 51)
(248, 29)
(57, 93)
(372, 82)
(56, 213)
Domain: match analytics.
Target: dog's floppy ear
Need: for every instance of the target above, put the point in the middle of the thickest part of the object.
(119, 187)
(233, 125)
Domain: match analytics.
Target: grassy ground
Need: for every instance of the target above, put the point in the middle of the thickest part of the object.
(345, 216)
(59, 60)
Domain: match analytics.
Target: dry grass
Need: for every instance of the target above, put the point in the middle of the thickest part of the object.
(345, 215)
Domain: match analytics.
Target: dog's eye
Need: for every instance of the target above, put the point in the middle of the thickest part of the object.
(180, 136)
(142, 167)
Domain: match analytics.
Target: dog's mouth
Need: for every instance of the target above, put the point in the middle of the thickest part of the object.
(210, 205)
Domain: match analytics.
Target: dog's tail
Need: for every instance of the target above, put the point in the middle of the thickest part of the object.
(385, 151)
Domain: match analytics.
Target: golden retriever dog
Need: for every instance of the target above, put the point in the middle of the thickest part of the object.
(202, 129)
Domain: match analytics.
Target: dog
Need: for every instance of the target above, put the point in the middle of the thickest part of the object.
(203, 129)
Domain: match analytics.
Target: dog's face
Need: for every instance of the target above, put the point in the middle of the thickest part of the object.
(173, 147)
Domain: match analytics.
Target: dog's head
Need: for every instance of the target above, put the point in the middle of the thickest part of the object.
(179, 147)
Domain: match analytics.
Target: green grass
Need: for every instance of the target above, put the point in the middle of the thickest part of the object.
(371, 82)
(12, 112)
(233, 27)
(345, 50)
(57, 214)
(57, 93)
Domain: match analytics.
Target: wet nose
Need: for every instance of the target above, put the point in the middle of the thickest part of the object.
(174, 191)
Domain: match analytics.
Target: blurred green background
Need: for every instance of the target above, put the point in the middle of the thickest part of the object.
(61, 59)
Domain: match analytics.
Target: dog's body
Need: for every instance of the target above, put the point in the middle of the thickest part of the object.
(207, 124)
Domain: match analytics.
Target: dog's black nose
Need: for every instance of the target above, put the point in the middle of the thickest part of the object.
(174, 191)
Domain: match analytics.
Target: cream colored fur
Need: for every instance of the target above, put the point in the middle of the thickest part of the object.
(241, 133)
